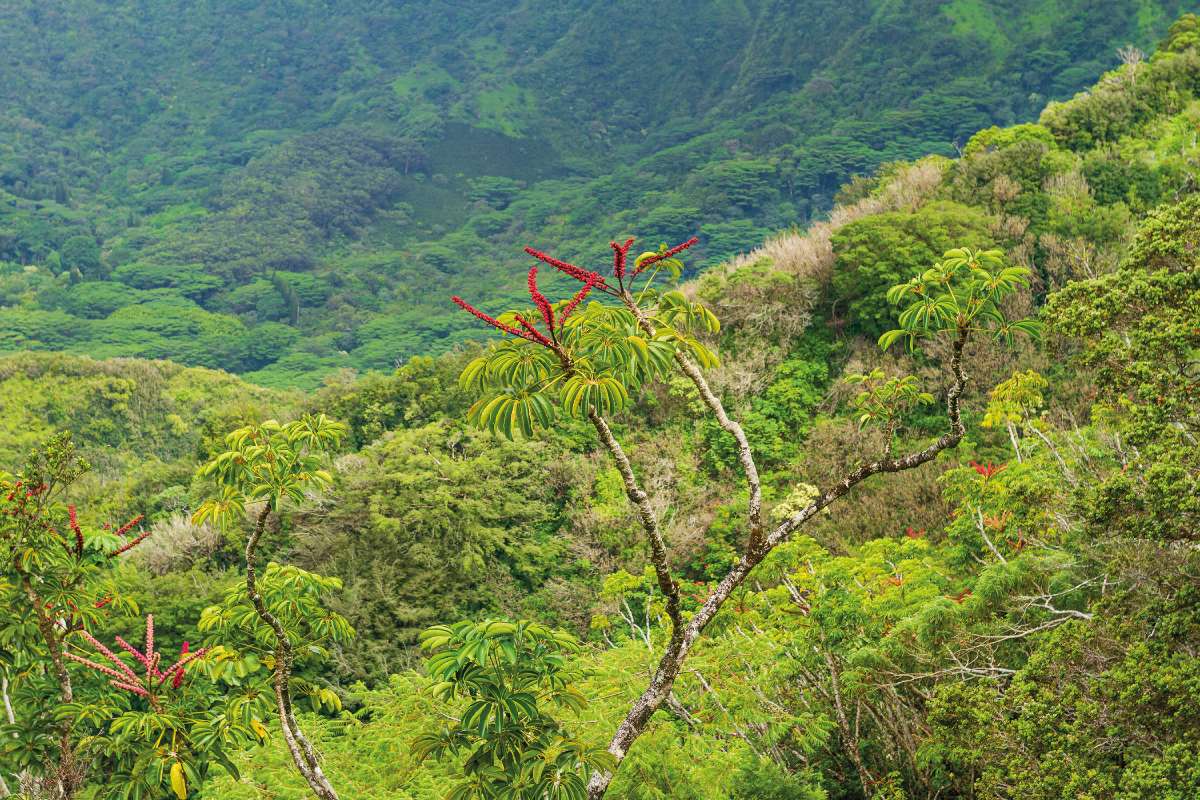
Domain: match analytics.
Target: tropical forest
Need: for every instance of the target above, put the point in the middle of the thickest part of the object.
(531, 400)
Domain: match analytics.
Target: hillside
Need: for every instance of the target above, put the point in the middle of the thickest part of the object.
(1016, 617)
(270, 188)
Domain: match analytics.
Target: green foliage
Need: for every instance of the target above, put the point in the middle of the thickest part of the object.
(244, 645)
(81, 254)
(879, 251)
(998, 629)
(134, 728)
(883, 401)
(1140, 333)
(449, 520)
(268, 462)
(961, 294)
(512, 678)
(400, 160)
(781, 415)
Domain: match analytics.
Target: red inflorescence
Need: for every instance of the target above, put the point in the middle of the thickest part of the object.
(132, 543)
(590, 280)
(123, 677)
(578, 273)
(124, 529)
(495, 323)
(540, 300)
(578, 298)
(74, 522)
(674, 251)
(534, 334)
(177, 681)
(620, 252)
(988, 470)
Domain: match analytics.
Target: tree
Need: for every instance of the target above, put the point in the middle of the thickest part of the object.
(587, 362)
(57, 579)
(878, 251)
(270, 463)
(509, 674)
(1013, 402)
(1139, 331)
(82, 253)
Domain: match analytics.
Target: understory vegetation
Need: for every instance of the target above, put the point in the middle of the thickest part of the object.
(903, 503)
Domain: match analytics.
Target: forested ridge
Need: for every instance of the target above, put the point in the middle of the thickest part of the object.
(901, 502)
(268, 187)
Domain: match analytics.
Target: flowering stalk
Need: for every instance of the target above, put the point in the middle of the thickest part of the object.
(674, 251)
(123, 677)
(578, 273)
(132, 543)
(620, 252)
(534, 334)
(75, 529)
(124, 529)
(540, 300)
(578, 298)
(495, 323)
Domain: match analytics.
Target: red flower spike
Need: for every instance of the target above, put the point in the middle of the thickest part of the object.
(175, 671)
(540, 300)
(130, 687)
(674, 251)
(578, 298)
(132, 543)
(495, 323)
(149, 634)
(620, 252)
(75, 529)
(102, 603)
(178, 679)
(123, 677)
(103, 670)
(124, 529)
(534, 334)
(578, 273)
(133, 651)
(108, 654)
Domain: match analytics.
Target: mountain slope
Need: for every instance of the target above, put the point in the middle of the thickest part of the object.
(262, 186)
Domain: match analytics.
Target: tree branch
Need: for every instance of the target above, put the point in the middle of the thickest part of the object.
(641, 501)
(302, 752)
(676, 653)
(745, 454)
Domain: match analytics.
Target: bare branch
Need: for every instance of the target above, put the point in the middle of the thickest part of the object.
(745, 454)
(641, 501)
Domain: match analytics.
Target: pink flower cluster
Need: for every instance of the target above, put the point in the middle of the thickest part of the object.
(122, 676)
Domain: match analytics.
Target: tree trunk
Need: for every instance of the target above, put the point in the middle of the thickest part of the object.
(307, 762)
(69, 777)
